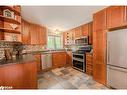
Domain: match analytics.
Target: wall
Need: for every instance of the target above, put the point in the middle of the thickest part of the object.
(16, 46)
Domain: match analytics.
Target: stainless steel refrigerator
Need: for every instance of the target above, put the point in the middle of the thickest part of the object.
(117, 59)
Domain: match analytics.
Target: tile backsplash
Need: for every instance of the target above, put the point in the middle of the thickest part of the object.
(30, 48)
(18, 46)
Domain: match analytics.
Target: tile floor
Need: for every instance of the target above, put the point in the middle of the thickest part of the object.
(67, 78)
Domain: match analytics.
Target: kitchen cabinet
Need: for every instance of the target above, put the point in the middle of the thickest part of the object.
(19, 75)
(90, 33)
(99, 56)
(58, 59)
(85, 29)
(33, 33)
(38, 61)
(25, 32)
(69, 58)
(116, 16)
(99, 22)
(89, 64)
(42, 35)
(38, 34)
(78, 32)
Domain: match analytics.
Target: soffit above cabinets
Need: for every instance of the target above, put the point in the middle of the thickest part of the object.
(59, 17)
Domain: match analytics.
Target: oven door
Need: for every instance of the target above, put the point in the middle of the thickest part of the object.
(78, 62)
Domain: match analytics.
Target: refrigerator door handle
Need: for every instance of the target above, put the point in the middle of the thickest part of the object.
(118, 69)
(108, 53)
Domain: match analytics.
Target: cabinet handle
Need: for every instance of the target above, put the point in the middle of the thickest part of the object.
(125, 14)
(120, 70)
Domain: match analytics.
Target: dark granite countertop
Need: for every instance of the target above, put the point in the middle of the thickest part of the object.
(22, 59)
(45, 52)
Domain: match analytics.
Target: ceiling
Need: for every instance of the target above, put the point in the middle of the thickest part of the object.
(59, 17)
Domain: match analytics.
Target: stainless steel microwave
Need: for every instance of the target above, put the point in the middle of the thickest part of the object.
(83, 40)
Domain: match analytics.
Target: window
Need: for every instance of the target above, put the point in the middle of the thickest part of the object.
(54, 42)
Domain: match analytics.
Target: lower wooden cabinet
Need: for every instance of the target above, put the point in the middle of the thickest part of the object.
(89, 64)
(69, 58)
(99, 73)
(19, 76)
(38, 61)
(58, 59)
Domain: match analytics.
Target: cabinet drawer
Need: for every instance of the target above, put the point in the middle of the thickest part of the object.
(89, 66)
(89, 72)
(88, 61)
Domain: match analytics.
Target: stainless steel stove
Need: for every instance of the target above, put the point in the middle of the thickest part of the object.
(79, 58)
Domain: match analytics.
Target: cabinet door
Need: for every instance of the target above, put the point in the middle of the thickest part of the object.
(38, 61)
(116, 16)
(99, 56)
(25, 32)
(43, 36)
(90, 33)
(85, 29)
(99, 22)
(59, 59)
(69, 58)
(34, 34)
(78, 32)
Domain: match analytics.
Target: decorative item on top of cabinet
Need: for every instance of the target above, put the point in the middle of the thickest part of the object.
(116, 17)
(99, 22)
(89, 63)
(68, 38)
(10, 20)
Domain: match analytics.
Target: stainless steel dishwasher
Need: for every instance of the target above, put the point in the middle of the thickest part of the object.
(46, 60)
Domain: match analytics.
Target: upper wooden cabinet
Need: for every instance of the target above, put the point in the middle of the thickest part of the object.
(33, 33)
(43, 35)
(99, 22)
(116, 16)
(90, 32)
(78, 32)
(25, 26)
(38, 34)
(85, 30)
